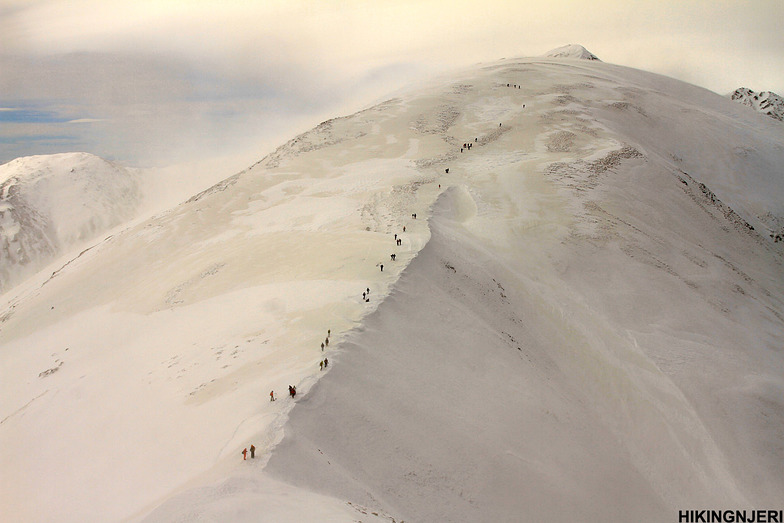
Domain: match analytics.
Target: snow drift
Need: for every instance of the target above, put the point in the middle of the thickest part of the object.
(583, 321)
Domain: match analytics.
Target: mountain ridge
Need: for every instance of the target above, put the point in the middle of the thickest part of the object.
(583, 313)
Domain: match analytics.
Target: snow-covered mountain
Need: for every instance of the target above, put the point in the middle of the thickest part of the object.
(572, 51)
(584, 320)
(51, 204)
(766, 102)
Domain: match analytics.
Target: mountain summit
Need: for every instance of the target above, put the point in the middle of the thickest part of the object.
(572, 51)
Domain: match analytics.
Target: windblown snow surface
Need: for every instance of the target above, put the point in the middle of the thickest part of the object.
(585, 321)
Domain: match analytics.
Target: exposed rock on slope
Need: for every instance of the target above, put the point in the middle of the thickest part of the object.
(766, 102)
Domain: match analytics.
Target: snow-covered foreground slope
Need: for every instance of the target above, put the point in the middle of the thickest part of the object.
(590, 325)
(51, 204)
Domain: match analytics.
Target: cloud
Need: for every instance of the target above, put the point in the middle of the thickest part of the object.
(87, 120)
(164, 79)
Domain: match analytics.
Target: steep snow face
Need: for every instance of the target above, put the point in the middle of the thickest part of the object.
(572, 51)
(583, 321)
(54, 203)
(766, 102)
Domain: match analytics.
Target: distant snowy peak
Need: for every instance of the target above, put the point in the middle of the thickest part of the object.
(50, 204)
(572, 51)
(765, 102)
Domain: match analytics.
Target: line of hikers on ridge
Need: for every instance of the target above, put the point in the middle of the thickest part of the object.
(323, 364)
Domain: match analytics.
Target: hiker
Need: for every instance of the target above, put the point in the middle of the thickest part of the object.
(476, 139)
(329, 332)
(368, 290)
(326, 362)
(364, 295)
(321, 365)
(244, 453)
(252, 452)
(272, 395)
(382, 267)
(400, 242)
(395, 236)
(446, 170)
(404, 228)
(322, 346)
(327, 342)
(292, 391)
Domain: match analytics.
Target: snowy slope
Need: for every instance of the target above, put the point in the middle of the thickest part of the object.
(52, 204)
(765, 102)
(583, 322)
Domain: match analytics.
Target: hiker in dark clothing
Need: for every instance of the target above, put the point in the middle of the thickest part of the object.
(252, 452)
(292, 391)
(326, 362)
(382, 267)
(392, 256)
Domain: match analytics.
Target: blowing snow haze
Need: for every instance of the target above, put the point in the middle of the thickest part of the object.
(583, 319)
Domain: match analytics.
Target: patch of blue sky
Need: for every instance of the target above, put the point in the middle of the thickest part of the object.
(24, 115)
(43, 139)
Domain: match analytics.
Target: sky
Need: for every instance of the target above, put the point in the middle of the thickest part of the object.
(154, 83)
